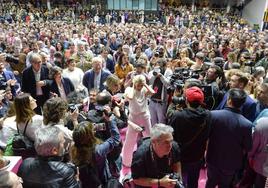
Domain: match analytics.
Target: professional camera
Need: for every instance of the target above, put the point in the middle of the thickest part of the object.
(156, 71)
(249, 63)
(175, 176)
(99, 127)
(179, 76)
(11, 59)
(100, 110)
(72, 107)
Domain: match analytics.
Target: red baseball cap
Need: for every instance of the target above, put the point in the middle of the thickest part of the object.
(194, 94)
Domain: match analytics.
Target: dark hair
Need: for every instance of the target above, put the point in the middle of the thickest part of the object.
(103, 98)
(237, 96)
(53, 110)
(62, 47)
(194, 104)
(191, 82)
(58, 55)
(120, 59)
(23, 109)
(84, 143)
(218, 71)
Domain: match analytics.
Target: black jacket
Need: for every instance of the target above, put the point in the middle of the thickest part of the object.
(67, 85)
(191, 131)
(47, 173)
(28, 84)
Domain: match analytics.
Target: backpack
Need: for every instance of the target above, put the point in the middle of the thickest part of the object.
(22, 145)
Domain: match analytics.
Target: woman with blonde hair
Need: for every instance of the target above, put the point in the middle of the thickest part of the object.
(139, 116)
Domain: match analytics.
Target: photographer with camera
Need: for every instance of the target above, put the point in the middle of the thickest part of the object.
(16, 62)
(159, 78)
(156, 163)
(118, 105)
(90, 153)
(102, 117)
(191, 130)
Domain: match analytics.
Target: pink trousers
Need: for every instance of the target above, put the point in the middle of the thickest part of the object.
(142, 120)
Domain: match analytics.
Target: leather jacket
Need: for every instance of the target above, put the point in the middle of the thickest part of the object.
(47, 172)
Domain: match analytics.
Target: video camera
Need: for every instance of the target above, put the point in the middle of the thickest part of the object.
(179, 76)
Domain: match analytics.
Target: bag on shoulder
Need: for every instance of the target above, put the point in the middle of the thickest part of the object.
(88, 177)
(22, 145)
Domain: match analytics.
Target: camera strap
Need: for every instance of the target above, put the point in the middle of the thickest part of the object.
(155, 165)
(24, 131)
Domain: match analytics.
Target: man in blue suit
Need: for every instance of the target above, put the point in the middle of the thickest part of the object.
(230, 138)
(95, 77)
(7, 79)
(248, 109)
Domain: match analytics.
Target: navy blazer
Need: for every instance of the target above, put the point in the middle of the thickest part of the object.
(248, 109)
(28, 83)
(67, 85)
(88, 79)
(230, 137)
(110, 65)
(8, 75)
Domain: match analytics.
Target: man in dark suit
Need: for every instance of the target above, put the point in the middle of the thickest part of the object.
(7, 79)
(35, 81)
(230, 138)
(95, 77)
(239, 80)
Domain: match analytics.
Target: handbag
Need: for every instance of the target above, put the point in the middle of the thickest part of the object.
(22, 145)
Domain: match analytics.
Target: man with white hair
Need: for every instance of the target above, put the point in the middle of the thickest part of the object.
(95, 77)
(47, 170)
(82, 57)
(156, 159)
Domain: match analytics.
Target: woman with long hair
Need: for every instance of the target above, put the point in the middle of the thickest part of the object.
(123, 67)
(89, 153)
(24, 105)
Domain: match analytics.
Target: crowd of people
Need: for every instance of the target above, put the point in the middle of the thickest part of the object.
(185, 92)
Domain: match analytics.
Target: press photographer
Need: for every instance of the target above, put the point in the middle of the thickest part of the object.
(159, 78)
(102, 118)
(156, 163)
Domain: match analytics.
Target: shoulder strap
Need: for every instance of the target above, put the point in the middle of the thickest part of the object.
(24, 131)
(198, 133)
